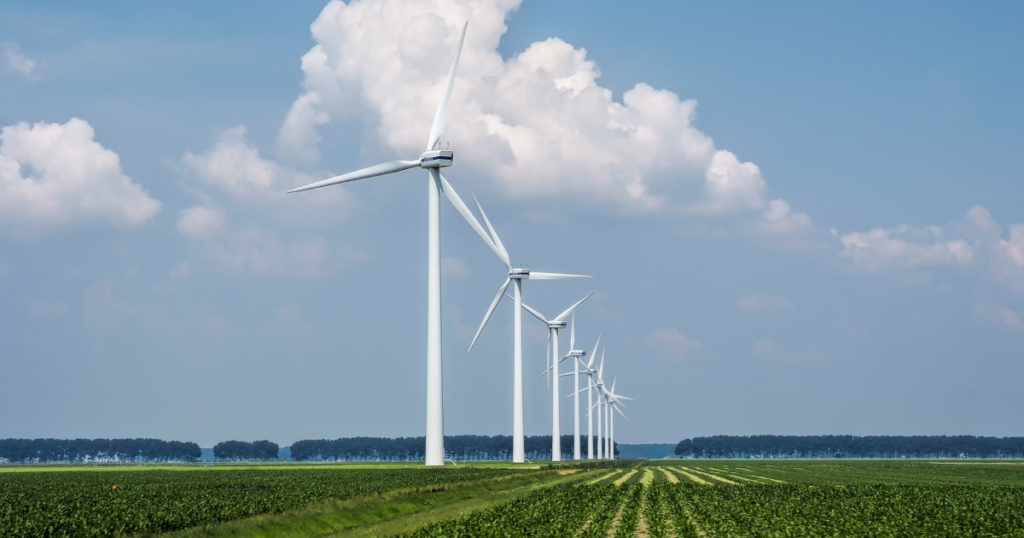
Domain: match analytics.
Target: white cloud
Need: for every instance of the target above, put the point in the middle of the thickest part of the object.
(780, 219)
(765, 302)
(905, 246)
(237, 168)
(536, 125)
(53, 175)
(17, 63)
(201, 222)
(454, 268)
(1009, 256)
(671, 344)
(298, 139)
(289, 321)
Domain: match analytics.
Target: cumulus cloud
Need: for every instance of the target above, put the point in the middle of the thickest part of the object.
(905, 246)
(671, 344)
(53, 175)
(779, 218)
(201, 222)
(765, 302)
(17, 63)
(536, 125)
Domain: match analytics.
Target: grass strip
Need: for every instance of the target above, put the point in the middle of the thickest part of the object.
(385, 514)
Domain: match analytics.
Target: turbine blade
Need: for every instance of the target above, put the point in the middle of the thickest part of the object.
(572, 334)
(487, 316)
(442, 108)
(615, 407)
(614, 379)
(569, 310)
(593, 354)
(370, 171)
(547, 351)
(537, 275)
(536, 314)
(494, 236)
(463, 210)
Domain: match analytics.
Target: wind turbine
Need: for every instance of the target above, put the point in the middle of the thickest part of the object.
(577, 355)
(590, 373)
(613, 404)
(517, 275)
(432, 159)
(553, 326)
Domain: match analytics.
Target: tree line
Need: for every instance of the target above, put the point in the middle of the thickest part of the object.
(850, 446)
(242, 450)
(96, 450)
(457, 447)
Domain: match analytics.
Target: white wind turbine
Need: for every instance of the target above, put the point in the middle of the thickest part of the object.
(432, 160)
(552, 352)
(517, 275)
(613, 403)
(577, 356)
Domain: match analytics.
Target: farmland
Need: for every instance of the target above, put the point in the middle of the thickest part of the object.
(657, 498)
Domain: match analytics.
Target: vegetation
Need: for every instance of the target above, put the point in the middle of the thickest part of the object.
(241, 450)
(849, 446)
(686, 498)
(81, 450)
(105, 503)
(459, 447)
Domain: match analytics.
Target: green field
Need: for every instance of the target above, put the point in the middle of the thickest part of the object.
(656, 498)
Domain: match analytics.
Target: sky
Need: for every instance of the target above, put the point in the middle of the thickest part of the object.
(801, 218)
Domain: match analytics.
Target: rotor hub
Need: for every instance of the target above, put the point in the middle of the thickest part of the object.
(556, 324)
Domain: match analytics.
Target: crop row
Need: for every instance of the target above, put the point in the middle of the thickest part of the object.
(106, 503)
(687, 510)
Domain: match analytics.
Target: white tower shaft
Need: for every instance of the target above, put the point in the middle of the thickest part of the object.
(576, 408)
(435, 407)
(556, 427)
(518, 442)
(600, 422)
(590, 422)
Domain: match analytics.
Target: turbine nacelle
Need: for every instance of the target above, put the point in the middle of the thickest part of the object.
(436, 158)
(557, 324)
(517, 273)
(577, 353)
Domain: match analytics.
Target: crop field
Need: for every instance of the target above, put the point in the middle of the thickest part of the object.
(657, 498)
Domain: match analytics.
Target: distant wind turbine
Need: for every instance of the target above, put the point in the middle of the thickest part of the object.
(517, 275)
(432, 159)
(553, 326)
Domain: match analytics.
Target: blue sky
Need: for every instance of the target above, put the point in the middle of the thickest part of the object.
(800, 217)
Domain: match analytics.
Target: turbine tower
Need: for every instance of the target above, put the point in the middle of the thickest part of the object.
(517, 275)
(591, 373)
(432, 159)
(553, 326)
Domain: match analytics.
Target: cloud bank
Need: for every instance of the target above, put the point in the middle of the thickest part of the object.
(536, 125)
(54, 175)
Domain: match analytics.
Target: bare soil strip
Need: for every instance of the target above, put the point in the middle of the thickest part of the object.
(716, 477)
(692, 477)
(625, 477)
(772, 479)
(613, 473)
(671, 477)
(641, 524)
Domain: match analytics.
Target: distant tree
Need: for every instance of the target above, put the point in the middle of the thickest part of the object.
(264, 450)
